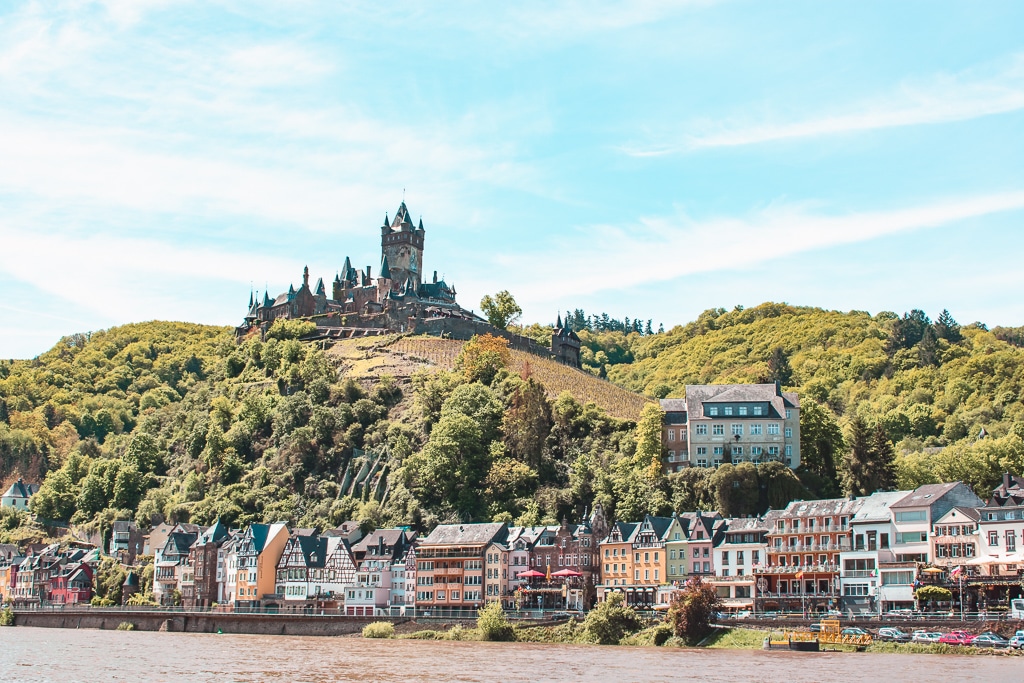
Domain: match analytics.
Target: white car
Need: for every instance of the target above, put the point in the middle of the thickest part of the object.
(927, 637)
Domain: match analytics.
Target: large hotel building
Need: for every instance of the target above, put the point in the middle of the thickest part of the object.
(720, 423)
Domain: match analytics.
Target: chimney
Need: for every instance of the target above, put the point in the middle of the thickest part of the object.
(369, 274)
(1007, 481)
(778, 388)
(435, 277)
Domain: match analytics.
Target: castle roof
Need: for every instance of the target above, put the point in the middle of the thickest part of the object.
(385, 272)
(320, 289)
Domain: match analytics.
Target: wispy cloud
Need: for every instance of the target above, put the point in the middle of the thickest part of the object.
(943, 98)
(665, 248)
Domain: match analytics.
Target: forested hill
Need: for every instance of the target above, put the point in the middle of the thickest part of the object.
(933, 387)
(179, 422)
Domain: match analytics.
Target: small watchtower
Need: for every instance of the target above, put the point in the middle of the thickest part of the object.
(565, 345)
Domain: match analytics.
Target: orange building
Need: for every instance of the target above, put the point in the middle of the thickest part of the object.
(450, 565)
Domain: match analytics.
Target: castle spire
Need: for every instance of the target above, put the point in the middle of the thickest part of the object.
(305, 277)
(558, 325)
(385, 272)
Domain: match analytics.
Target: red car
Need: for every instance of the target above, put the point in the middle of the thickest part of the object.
(957, 638)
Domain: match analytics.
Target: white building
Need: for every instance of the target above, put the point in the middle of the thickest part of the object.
(18, 495)
(870, 578)
(915, 514)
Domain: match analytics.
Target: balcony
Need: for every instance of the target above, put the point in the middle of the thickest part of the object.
(859, 574)
(811, 568)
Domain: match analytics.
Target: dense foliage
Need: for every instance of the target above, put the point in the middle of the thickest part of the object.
(179, 422)
(692, 611)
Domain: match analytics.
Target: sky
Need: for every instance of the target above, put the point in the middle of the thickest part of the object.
(162, 159)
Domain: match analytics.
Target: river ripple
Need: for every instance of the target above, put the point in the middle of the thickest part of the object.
(35, 655)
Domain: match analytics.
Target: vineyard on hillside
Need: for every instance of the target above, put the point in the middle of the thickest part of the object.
(403, 356)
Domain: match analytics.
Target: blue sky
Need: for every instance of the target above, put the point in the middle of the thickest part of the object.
(648, 159)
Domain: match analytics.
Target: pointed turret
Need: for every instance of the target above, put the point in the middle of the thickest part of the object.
(291, 290)
(251, 299)
(267, 301)
(305, 277)
(385, 272)
(420, 227)
(320, 289)
(558, 325)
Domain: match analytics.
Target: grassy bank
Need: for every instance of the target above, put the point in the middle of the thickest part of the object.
(736, 639)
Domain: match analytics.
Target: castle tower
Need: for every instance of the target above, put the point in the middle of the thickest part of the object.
(402, 245)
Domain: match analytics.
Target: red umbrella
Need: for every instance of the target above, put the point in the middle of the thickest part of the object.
(531, 574)
(567, 573)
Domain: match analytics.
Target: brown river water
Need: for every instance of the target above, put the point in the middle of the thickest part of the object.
(29, 655)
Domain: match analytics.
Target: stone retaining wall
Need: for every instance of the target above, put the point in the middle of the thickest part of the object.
(198, 622)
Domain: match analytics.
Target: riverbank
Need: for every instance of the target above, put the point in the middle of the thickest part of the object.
(33, 655)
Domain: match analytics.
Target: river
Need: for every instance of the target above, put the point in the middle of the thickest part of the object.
(32, 655)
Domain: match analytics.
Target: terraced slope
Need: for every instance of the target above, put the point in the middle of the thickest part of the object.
(404, 356)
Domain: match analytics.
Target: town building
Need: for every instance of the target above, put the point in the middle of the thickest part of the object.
(804, 544)
(172, 575)
(380, 576)
(741, 546)
(872, 580)
(18, 495)
(203, 566)
(258, 551)
(731, 423)
(126, 541)
(450, 566)
(915, 513)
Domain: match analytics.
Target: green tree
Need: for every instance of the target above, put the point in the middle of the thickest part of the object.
(871, 461)
(946, 327)
(501, 310)
(610, 621)
(482, 357)
(527, 422)
(779, 369)
(737, 491)
(493, 624)
(821, 444)
(692, 610)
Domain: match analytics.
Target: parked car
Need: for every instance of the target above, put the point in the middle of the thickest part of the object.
(900, 614)
(989, 639)
(743, 614)
(926, 637)
(893, 635)
(1016, 642)
(854, 631)
(957, 638)
(815, 628)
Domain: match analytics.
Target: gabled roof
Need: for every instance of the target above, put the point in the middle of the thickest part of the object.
(699, 394)
(972, 514)
(924, 495)
(314, 550)
(215, 534)
(20, 489)
(875, 508)
(466, 534)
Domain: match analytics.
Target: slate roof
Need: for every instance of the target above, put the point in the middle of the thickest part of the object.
(699, 394)
(466, 534)
(875, 508)
(20, 489)
(924, 495)
(740, 524)
(824, 507)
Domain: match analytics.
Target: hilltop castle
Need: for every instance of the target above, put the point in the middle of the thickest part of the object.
(396, 300)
